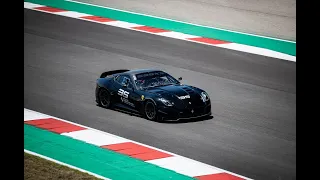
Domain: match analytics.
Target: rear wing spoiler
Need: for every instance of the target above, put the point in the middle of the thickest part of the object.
(108, 73)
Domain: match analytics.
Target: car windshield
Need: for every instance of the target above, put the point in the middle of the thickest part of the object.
(154, 79)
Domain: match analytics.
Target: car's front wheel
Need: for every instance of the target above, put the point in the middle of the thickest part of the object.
(150, 111)
(104, 98)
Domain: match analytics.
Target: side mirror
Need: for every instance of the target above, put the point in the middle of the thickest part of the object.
(180, 78)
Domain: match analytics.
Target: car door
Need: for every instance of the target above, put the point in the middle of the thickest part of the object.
(118, 89)
(134, 97)
(125, 91)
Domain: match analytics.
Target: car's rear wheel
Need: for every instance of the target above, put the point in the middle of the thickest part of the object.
(104, 98)
(150, 111)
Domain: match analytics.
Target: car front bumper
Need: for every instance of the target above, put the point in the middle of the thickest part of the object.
(171, 113)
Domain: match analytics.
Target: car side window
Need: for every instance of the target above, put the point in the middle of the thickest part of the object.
(119, 79)
(123, 79)
(126, 80)
(130, 84)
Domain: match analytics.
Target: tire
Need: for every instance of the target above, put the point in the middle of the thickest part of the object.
(104, 98)
(150, 111)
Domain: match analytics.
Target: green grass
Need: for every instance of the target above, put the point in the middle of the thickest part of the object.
(36, 168)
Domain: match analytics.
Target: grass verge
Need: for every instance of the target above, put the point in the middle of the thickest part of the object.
(36, 168)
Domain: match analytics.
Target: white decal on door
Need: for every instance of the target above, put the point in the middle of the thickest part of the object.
(123, 93)
(124, 97)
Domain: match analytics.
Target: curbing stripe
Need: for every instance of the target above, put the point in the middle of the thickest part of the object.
(72, 14)
(31, 5)
(150, 29)
(208, 41)
(94, 137)
(137, 151)
(122, 24)
(157, 31)
(54, 125)
(151, 156)
(176, 35)
(37, 122)
(184, 166)
(93, 158)
(168, 160)
(49, 9)
(257, 50)
(97, 18)
(218, 176)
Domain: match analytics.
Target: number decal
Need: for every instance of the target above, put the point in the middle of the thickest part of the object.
(126, 94)
(123, 93)
(124, 97)
(120, 92)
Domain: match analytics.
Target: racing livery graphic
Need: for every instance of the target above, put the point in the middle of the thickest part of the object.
(154, 94)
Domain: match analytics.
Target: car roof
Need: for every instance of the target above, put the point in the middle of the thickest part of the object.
(138, 71)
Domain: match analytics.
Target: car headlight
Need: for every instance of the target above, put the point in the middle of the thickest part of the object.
(204, 96)
(166, 102)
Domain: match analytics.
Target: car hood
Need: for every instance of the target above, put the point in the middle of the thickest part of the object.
(181, 95)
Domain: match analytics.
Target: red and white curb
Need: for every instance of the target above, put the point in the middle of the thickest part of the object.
(165, 159)
(161, 32)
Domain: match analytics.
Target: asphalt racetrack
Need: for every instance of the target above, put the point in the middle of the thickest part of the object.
(252, 133)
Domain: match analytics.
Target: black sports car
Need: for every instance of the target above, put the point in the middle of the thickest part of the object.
(152, 93)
